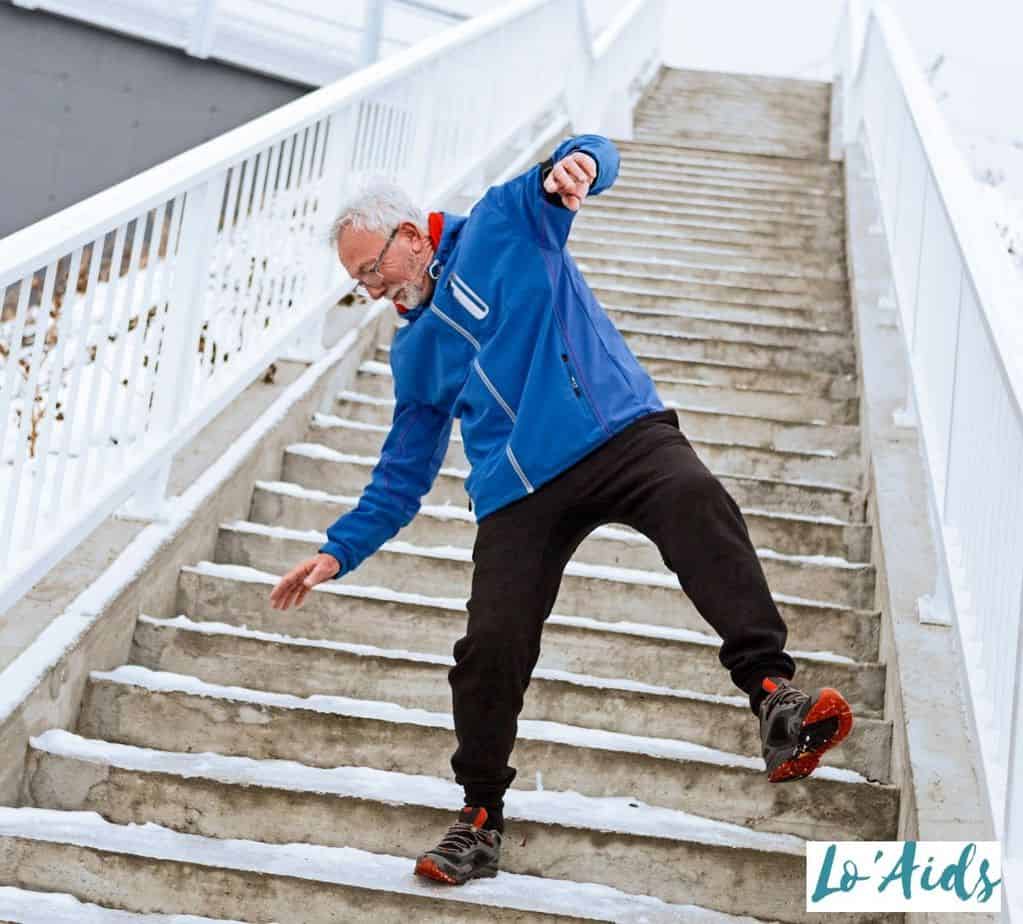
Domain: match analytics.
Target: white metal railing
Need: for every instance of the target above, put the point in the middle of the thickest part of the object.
(131, 319)
(963, 342)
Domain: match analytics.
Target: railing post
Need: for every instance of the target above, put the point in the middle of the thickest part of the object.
(581, 97)
(371, 32)
(172, 385)
(200, 39)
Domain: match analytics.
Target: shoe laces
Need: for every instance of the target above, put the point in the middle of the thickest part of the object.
(461, 836)
(785, 693)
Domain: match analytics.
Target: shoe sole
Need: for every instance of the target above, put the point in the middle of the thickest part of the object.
(427, 868)
(830, 709)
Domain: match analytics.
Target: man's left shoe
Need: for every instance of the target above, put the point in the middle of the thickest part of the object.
(797, 729)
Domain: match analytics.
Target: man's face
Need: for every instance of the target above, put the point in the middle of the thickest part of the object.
(401, 275)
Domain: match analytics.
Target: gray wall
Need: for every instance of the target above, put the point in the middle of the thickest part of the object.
(83, 109)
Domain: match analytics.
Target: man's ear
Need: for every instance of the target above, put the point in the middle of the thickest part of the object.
(418, 238)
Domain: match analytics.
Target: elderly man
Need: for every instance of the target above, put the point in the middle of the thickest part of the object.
(564, 431)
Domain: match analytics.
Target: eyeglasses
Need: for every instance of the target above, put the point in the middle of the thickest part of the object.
(374, 271)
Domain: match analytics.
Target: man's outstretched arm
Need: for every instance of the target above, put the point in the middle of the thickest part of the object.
(409, 461)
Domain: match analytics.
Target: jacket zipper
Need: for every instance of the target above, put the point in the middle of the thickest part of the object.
(571, 378)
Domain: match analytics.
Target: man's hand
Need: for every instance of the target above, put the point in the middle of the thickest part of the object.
(293, 587)
(571, 178)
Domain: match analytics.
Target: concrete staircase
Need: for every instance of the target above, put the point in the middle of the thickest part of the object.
(257, 766)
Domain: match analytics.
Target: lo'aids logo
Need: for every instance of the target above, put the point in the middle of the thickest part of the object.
(904, 876)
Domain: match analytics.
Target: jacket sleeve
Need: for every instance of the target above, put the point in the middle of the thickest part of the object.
(523, 199)
(409, 461)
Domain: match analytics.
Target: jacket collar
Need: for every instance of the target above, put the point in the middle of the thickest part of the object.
(444, 230)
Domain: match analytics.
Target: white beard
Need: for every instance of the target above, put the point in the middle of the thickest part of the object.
(410, 295)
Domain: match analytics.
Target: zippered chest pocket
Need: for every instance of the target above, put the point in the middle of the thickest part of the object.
(571, 376)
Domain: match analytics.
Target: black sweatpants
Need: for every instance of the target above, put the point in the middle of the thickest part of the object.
(648, 477)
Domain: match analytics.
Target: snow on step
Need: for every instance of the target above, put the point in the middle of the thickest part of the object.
(621, 815)
(346, 866)
(531, 729)
(24, 907)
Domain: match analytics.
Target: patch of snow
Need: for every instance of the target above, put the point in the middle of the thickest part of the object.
(800, 517)
(358, 397)
(347, 866)
(373, 367)
(325, 421)
(830, 561)
(21, 906)
(255, 576)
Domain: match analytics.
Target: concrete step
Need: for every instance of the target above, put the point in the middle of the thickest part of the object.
(701, 229)
(783, 141)
(609, 262)
(740, 142)
(23, 906)
(636, 175)
(317, 467)
(233, 656)
(709, 301)
(669, 164)
(783, 169)
(732, 115)
(760, 332)
(764, 432)
(157, 870)
(738, 351)
(724, 388)
(591, 591)
(671, 369)
(632, 294)
(400, 814)
(177, 713)
(642, 179)
(735, 457)
(727, 201)
(291, 505)
(756, 86)
(712, 240)
(785, 226)
(607, 243)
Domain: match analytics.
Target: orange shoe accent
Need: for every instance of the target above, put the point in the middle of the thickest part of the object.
(479, 819)
(768, 684)
(830, 704)
(426, 868)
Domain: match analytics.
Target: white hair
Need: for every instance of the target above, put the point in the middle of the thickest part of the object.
(379, 206)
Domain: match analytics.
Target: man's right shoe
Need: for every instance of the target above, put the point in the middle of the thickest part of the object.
(467, 851)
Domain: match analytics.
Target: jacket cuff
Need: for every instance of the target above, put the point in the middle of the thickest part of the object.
(548, 165)
(332, 548)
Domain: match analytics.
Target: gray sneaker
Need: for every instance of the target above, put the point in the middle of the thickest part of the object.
(467, 851)
(796, 729)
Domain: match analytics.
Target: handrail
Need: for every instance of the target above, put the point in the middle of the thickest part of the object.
(132, 318)
(963, 339)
